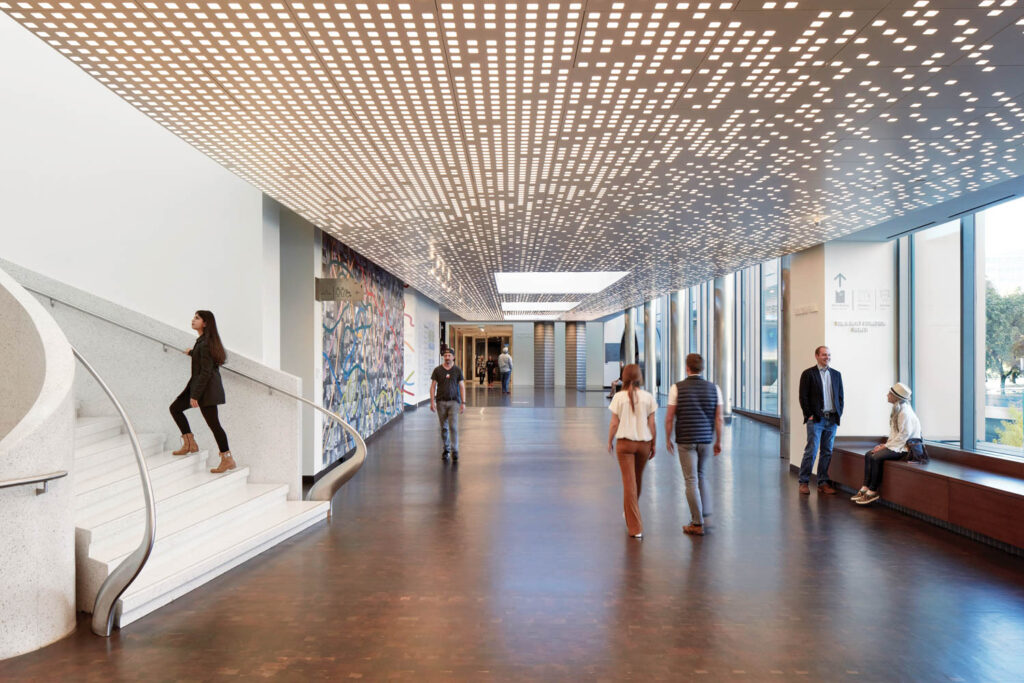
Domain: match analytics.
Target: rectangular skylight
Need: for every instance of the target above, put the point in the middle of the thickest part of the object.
(555, 283)
(538, 305)
(531, 316)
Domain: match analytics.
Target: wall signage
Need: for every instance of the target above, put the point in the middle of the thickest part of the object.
(342, 290)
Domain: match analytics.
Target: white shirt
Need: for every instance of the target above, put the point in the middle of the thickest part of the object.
(826, 388)
(673, 395)
(903, 425)
(633, 422)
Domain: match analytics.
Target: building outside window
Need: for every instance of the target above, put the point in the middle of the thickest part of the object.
(770, 337)
(936, 331)
(999, 240)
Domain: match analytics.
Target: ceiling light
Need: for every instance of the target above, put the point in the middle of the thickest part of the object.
(556, 283)
(531, 316)
(538, 305)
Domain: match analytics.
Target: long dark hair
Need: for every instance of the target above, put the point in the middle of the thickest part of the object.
(631, 381)
(213, 337)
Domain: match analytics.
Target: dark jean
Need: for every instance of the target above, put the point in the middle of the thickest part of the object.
(820, 436)
(873, 466)
(505, 377)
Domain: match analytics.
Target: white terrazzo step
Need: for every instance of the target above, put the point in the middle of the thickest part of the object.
(164, 580)
(110, 482)
(110, 452)
(178, 529)
(89, 430)
(193, 488)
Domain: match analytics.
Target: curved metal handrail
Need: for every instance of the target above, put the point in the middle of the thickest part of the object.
(43, 479)
(330, 482)
(117, 581)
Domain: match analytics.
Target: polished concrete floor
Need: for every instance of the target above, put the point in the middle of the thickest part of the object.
(515, 565)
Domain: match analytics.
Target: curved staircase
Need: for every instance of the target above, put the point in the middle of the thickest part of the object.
(206, 523)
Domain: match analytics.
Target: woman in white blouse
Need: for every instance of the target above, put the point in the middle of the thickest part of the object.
(904, 429)
(633, 427)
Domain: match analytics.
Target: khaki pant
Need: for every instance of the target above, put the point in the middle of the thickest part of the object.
(633, 457)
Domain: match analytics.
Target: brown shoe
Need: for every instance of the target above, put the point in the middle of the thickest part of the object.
(805, 489)
(694, 529)
(827, 490)
(226, 463)
(188, 445)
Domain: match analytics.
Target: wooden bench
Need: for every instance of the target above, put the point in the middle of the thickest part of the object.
(975, 493)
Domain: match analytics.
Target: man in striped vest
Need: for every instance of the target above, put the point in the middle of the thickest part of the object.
(695, 412)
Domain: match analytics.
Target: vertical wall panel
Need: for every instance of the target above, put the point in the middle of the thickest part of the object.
(576, 355)
(544, 354)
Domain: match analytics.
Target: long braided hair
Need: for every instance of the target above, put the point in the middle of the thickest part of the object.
(631, 381)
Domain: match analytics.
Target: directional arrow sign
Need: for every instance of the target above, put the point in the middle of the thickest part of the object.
(839, 279)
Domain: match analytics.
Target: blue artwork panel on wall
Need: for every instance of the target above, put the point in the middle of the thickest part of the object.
(362, 349)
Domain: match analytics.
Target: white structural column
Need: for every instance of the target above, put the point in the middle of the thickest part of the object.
(725, 297)
(785, 386)
(650, 347)
(677, 336)
(629, 334)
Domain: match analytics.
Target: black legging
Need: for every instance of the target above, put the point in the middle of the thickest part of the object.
(181, 404)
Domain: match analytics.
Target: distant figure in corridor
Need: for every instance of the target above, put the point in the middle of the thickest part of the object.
(491, 365)
(632, 435)
(447, 399)
(204, 390)
(481, 369)
(821, 399)
(904, 440)
(505, 368)
(695, 413)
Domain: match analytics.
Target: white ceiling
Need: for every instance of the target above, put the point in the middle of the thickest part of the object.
(448, 141)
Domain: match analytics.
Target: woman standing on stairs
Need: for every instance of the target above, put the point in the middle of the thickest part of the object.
(204, 390)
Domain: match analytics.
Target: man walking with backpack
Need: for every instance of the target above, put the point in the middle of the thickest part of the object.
(695, 413)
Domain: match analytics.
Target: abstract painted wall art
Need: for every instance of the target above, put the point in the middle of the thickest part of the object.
(362, 349)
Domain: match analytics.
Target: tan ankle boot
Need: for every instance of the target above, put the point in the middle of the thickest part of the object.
(226, 463)
(188, 445)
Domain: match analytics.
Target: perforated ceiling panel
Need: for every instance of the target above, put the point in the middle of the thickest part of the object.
(676, 140)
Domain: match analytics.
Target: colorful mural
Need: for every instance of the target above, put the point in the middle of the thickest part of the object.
(362, 349)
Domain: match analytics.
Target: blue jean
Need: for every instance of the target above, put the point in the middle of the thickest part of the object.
(820, 436)
(695, 459)
(505, 377)
(448, 415)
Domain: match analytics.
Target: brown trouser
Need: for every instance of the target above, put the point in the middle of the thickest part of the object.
(633, 457)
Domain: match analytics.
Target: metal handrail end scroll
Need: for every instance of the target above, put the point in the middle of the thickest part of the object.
(117, 582)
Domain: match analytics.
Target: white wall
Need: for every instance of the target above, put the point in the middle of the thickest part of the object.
(858, 326)
(422, 345)
(301, 338)
(97, 195)
(861, 330)
(595, 355)
(522, 354)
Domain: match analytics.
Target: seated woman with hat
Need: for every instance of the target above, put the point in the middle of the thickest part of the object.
(904, 427)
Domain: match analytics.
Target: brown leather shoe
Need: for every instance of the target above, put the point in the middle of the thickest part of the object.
(805, 489)
(827, 490)
(226, 463)
(694, 529)
(188, 445)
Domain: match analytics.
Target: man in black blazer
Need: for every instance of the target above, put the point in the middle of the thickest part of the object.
(821, 398)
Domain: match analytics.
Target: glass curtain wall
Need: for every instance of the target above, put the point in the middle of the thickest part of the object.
(999, 339)
(936, 286)
(769, 322)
